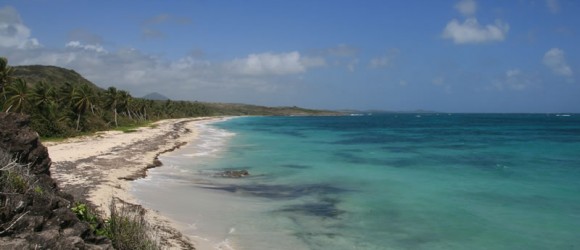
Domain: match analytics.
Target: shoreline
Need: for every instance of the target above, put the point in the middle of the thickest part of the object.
(99, 167)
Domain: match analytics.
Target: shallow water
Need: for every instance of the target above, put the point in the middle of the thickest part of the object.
(397, 181)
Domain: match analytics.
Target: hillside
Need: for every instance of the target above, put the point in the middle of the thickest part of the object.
(155, 96)
(247, 109)
(56, 76)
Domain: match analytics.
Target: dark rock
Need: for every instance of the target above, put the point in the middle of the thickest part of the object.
(234, 173)
(38, 219)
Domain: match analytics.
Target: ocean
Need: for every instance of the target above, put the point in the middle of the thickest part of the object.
(376, 181)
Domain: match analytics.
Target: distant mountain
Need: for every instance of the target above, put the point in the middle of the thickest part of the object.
(56, 76)
(155, 96)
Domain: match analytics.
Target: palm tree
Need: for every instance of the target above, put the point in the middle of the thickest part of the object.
(83, 99)
(42, 95)
(124, 101)
(17, 96)
(112, 101)
(5, 75)
(64, 96)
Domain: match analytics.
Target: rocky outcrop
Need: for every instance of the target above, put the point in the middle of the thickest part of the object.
(233, 173)
(39, 216)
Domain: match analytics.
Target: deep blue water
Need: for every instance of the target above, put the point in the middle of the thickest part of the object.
(393, 181)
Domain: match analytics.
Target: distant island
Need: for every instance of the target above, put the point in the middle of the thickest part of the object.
(155, 96)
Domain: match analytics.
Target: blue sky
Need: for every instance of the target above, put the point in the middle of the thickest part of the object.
(450, 56)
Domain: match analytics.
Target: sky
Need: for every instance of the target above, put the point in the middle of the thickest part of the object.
(445, 55)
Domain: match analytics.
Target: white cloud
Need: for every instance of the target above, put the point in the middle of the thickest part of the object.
(274, 64)
(513, 72)
(351, 66)
(554, 59)
(13, 32)
(380, 62)
(342, 50)
(439, 80)
(553, 6)
(466, 7)
(188, 78)
(90, 47)
(516, 80)
(471, 31)
(384, 61)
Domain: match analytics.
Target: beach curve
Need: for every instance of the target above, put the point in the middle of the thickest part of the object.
(99, 167)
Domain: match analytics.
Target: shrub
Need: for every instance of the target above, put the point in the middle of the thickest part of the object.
(126, 226)
(128, 229)
(14, 177)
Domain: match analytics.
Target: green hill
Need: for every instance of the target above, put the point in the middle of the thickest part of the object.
(247, 109)
(155, 96)
(53, 75)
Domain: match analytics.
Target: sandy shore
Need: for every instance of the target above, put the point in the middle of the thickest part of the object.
(99, 167)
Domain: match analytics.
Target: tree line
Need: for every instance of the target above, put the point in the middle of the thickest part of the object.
(72, 109)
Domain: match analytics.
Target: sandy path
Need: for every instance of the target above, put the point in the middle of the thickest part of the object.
(97, 168)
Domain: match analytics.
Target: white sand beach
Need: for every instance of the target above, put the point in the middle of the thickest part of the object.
(100, 167)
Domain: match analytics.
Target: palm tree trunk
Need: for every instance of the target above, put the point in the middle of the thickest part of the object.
(115, 111)
(78, 121)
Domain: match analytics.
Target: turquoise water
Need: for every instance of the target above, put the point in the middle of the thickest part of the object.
(396, 181)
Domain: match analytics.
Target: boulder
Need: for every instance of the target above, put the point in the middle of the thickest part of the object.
(41, 218)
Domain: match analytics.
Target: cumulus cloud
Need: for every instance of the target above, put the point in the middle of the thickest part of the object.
(257, 78)
(466, 7)
(90, 47)
(553, 6)
(13, 32)
(274, 64)
(470, 31)
(554, 59)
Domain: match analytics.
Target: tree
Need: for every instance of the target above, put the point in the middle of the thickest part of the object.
(124, 101)
(5, 75)
(83, 99)
(18, 98)
(112, 99)
(65, 94)
(42, 95)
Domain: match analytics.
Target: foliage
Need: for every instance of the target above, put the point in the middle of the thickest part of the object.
(62, 103)
(14, 177)
(128, 229)
(15, 181)
(85, 213)
(126, 225)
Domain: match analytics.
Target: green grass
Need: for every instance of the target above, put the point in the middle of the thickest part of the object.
(133, 127)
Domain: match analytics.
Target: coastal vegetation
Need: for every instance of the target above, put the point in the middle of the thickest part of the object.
(126, 226)
(62, 103)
